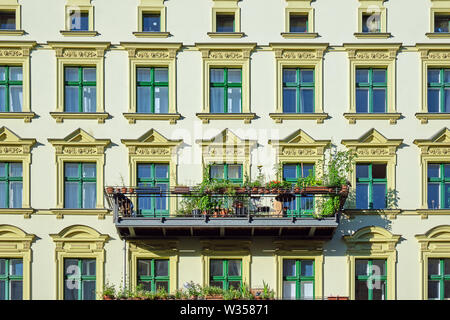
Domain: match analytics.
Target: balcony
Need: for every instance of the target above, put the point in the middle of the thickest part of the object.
(151, 212)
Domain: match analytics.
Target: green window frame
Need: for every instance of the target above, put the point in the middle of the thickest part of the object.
(152, 205)
(303, 206)
(371, 279)
(10, 278)
(154, 85)
(7, 181)
(150, 281)
(440, 200)
(370, 181)
(226, 86)
(78, 278)
(81, 181)
(300, 85)
(371, 86)
(226, 167)
(80, 84)
(299, 278)
(443, 85)
(7, 86)
(225, 280)
(441, 279)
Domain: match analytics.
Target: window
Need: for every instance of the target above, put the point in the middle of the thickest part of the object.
(438, 186)
(79, 21)
(225, 22)
(151, 22)
(10, 185)
(153, 274)
(371, 87)
(371, 279)
(441, 23)
(226, 90)
(371, 23)
(80, 89)
(80, 184)
(298, 279)
(79, 279)
(230, 172)
(226, 273)
(298, 90)
(11, 88)
(7, 20)
(153, 175)
(152, 90)
(11, 279)
(371, 184)
(439, 279)
(439, 90)
(301, 206)
(298, 22)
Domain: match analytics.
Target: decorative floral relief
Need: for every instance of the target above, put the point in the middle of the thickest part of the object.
(226, 55)
(69, 53)
(439, 55)
(152, 54)
(8, 150)
(79, 150)
(373, 152)
(298, 152)
(11, 53)
(372, 55)
(439, 151)
(153, 151)
(301, 55)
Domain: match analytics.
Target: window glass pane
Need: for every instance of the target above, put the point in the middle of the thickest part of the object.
(433, 289)
(89, 99)
(16, 267)
(447, 170)
(289, 100)
(146, 285)
(88, 267)
(379, 100)
(225, 23)
(433, 196)
(15, 98)
(307, 288)
(15, 169)
(2, 99)
(89, 74)
(361, 290)
(379, 290)
(307, 100)
(307, 203)
(71, 289)
(71, 74)
(89, 170)
(446, 196)
(161, 100)
(308, 169)
(234, 76)
(234, 284)
(362, 76)
(234, 100)
(71, 268)
(446, 289)
(447, 266)
(234, 172)
(2, 290)
(362, 100)
(217, 75)
(362, 171)
(3, 203)
(217, 100)
(15, 194)
(379, 76)
(143, 74)
(161, 75)
(362, 196)
(298, 23)
(218, 284)
(144, 96)
(379, 171)
(434, 170)
(2, 73)
(89, 195)
(362, 267)
(15, 74)
(379, 196)
(71, 99)
(161, 201)
(379, 267)
(289, 75)
(16, 290)
(161, 171)
(307, 76)
(290, 171)
(234, 267)
(89, 290)
(434, 75)
(151, 22)
(71, 195)
(433, 100)
(161, 268)
(447, 101)
(289, 290)
(8, 20)
(2, 169)
(447, 75)
(2, 267)
(79, 21)
(144, 267)
(217, 172)
(162, 285)
(371, 23)
(71, 170)
(307, 267)
(441, 23)
(216, 268)
(144, 171)
(289, 267)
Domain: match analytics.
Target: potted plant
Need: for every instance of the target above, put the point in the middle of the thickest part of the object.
(267, 293)
(109, 292)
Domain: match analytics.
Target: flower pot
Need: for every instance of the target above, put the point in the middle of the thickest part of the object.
(255, 190)
(106, 297)
(297, 190)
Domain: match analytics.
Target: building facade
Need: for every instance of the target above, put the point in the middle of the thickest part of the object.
(112, 93)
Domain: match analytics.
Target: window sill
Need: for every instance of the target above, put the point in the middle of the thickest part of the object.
(390, 213)
(145, 34)
(392, 117)
(424, 117)
(61, 116)
(372, 35)
(12, 32)
(100, 213)
(279, 117)
(26, 116)
(205, 117)
(79, 33)
(299, 35)
(424, 213)
(172, 117)
(437, 35)
(25, 211)
(225, 34)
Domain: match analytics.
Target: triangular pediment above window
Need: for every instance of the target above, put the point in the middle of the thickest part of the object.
(372, 138)
(151, 137)
(300, 137)
(12, 143)
(299, 144)
(440, 138)
(80, 142)
(226, 138)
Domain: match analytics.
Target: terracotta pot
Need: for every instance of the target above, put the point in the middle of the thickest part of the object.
(255, 189)
(108, 298)
(110, 190)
